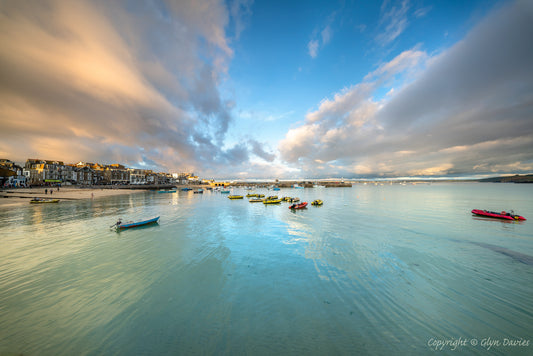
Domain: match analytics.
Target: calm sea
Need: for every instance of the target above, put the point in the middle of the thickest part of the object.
(379, 270)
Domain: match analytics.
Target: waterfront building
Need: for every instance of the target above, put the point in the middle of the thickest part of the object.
(137, 176)
(84, 175)
(116, 174)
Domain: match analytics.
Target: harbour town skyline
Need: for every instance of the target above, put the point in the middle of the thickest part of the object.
(36, 172)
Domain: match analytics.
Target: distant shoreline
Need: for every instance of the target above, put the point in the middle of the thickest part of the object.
(18, 196)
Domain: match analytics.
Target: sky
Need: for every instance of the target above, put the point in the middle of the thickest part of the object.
(271, 89)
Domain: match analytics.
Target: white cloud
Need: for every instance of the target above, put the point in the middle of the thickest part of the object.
(312, 46)
(326, 35)
(423, 11)
(394, 20)
(321, 38)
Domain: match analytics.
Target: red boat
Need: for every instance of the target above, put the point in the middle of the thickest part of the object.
(502, 215)
(298, 206)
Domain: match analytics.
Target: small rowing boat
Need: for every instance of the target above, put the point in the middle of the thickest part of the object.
(120, 225)
(43, 201)
(501, 215)
(167, 191)
(317, 202)
(235, 197)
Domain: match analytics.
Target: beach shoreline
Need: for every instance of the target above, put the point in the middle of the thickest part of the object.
(19, 196)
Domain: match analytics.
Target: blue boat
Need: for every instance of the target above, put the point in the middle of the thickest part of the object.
(276, 188)
(120, 225)
(167, 191)
(185, 189)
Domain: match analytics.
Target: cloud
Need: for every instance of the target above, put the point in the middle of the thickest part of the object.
(423, 11)
(258, 150)
(102, 81)
(393, 20)
(312, 47)
(241, 11)
(320, 38)
(326, 35)
(464, 111)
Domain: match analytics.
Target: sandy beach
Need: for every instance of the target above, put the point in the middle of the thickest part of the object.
(10, 197)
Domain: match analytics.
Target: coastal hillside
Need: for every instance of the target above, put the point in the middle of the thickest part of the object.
(528, 178)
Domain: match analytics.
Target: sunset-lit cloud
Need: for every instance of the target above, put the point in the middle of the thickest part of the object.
(93, 81)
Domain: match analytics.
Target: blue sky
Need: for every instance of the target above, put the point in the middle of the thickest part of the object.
(276, 81)
(274, 89)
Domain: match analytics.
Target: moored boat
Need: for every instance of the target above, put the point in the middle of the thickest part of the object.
(235, 197)
(224, 192)
(272, 201)
(255, 200)
(298, 206)
(120, 225)
(501, 215)
(43, 201)
(317, 202)
(167, 191)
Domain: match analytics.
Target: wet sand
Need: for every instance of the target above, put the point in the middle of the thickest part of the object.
(10, 197)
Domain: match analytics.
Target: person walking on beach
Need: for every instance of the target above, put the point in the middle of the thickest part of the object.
(46, 191)
(51, 191)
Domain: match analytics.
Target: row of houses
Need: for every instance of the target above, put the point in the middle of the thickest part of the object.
(42, 172)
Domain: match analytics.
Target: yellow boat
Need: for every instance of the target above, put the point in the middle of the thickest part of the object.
(272, 201)
(43, 201)
(251, 195)
(317, 202)
(235, 197)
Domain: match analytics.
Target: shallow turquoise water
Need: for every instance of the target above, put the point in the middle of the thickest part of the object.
(376, 270)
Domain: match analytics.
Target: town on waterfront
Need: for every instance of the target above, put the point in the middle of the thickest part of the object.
(39, 172)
